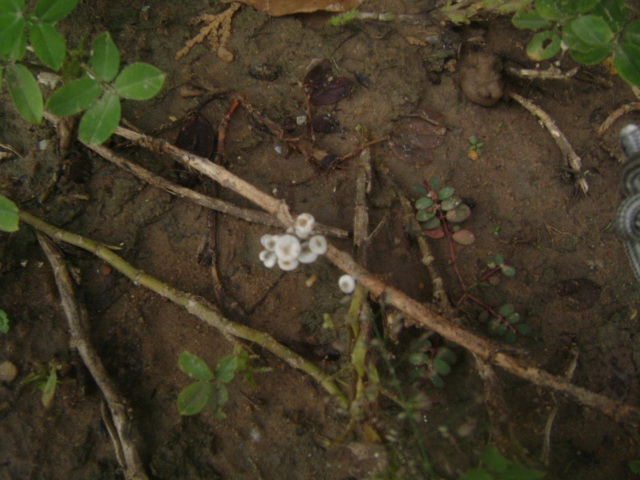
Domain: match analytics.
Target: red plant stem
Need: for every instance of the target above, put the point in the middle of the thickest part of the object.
(222, 129)
(452, 250)
(491, 311)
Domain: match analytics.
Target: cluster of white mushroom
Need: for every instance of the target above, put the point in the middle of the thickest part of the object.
(297, 246)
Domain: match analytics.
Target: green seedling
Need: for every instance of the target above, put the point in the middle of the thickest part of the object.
(4, 322)
(431, 363)
(45, 379)
(496, 466)
(9, 215)
(100, 85)
(474, 151)
(210, 389)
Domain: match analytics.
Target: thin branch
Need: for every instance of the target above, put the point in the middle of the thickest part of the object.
(191, 303)
(616, 114)
(551, 73)
(117, 404)
(569, 154)
(485, 349)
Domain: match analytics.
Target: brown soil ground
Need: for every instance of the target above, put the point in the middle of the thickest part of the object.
(573, 283)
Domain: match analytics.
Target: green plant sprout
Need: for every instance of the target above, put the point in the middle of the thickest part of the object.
(46, 380)
(209, 389)
(98, 91)
(496, 466)
(475, 148)
(351, 15)
(591, 30)
(432, 363)
(4, 322)
(436, 210)
(9, 216)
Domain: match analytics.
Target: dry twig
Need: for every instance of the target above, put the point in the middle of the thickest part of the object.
(125, 431)
(551, 73)
(616, 114)
(569, 154)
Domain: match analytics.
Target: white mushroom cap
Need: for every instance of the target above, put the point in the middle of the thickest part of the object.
(268, 258)
(269, 241)
(288, 265)
(287, 247)
(318, 244)
(306, 254)
(304, 225)
(347, 283)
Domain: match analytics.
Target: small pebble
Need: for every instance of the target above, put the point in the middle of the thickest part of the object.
(464, 237)
(8, 371)
(225, 54)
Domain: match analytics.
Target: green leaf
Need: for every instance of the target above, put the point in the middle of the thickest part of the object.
(418, 359)
(591, 57)
(445, 193)
(614, 12)
(634, 466)
(4, 322)
(592, 30)
(632, 33)
(100, 121)
(139, 81)
(584, 6)
(508, 270)
(419, 189)
(54, 10)
(496, 327)
(626, 59)
(477, 474)
(435, 181)
(442, 367)
(49, 388)
(529, 20)
(506, 309)
(74, 97)
(553, 10)
(48, 44)
(193, 398)
(447, 355)
(543, 46)
(437, 380)
(11, 34)
(194, 366)
(431, 223)
(11, 6)
(226, 369)
(493, 459)
(424, 215)
(105, 58)
(221, 394)
(523, 328)
(9, 215)
(509, 336)
(513, 317)
(25, 93)
(424, 202)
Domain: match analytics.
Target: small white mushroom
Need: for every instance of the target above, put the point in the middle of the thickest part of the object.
(287, 248)
(268, 258)
(306, 254)
(347, 283)
(269, 241)
(288, 265)
(318, 244)
(304, 225)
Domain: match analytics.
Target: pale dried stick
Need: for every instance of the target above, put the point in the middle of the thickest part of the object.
(488, 350)
(194, 305)
(616, 114)
(126, 450)
(246, 214)
(546, 445)
(551, 73)
(361, 212)
(569, 154)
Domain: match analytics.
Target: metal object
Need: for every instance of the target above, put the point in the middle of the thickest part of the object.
(627, 221)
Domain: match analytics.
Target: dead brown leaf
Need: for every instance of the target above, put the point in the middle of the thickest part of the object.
(278, 8)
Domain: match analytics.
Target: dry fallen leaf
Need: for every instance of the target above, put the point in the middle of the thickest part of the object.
(277, 8)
